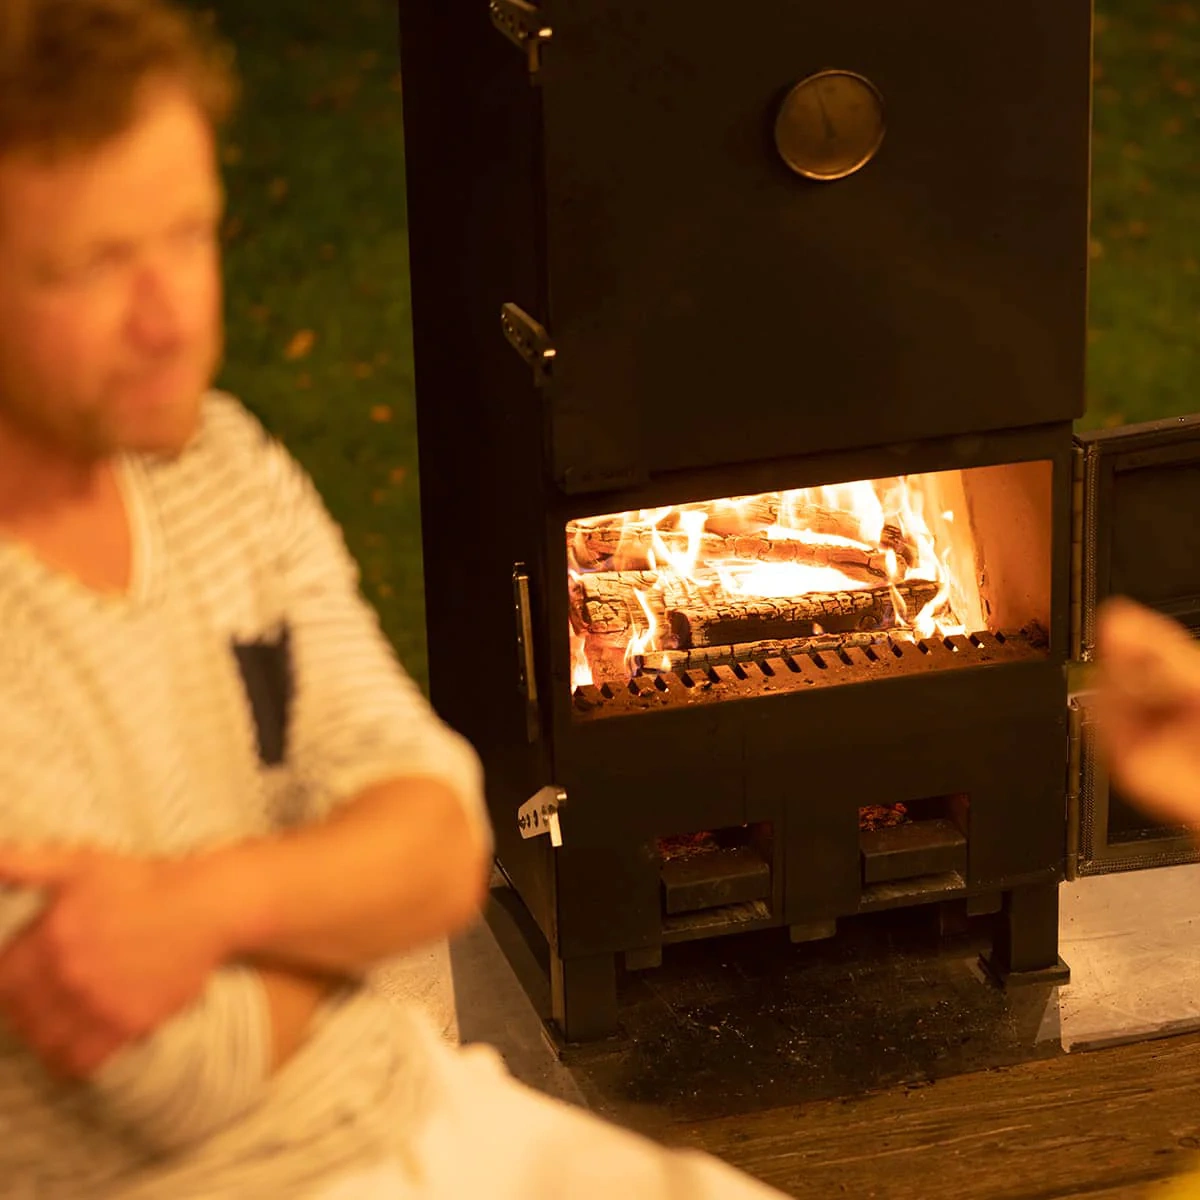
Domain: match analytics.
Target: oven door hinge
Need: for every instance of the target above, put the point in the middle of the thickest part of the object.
(1080, 650)
(530, 340)
(1074, 783)
(522, 24)
(526, 674)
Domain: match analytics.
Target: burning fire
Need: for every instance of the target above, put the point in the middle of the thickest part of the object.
(652, 589)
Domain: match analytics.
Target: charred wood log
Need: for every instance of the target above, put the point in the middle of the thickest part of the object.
(632, 549)
(752, 619)
(700, 657)
(752, 515)
(893, 538)
(607, 601)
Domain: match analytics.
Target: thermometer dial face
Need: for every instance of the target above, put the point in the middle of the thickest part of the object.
(830, 125)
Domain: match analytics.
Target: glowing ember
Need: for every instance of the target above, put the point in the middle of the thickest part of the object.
(887, 555)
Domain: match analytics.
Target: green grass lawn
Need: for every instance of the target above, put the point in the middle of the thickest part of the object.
(1144, 351)
(319, 339)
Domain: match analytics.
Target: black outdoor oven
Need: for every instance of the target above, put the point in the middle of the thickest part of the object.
(748, 343)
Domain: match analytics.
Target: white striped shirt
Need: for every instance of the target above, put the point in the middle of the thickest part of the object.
(241, 685)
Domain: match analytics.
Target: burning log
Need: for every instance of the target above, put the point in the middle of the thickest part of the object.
(893, 538)
(613, 545)
(755, 619)
(731, 517)
(631, 549)
(607, 601)
(700, 657)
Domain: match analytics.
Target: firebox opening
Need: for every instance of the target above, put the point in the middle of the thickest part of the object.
(839, 575)
(920, 839)
(722, 873)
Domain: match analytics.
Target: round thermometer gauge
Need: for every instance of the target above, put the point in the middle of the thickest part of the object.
(830, 125)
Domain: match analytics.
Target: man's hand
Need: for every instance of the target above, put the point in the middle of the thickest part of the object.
(122, 945)
(1148, 710)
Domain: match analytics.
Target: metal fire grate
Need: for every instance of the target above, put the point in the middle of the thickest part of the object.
(797, 672)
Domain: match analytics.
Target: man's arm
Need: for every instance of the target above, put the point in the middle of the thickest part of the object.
(399, 865)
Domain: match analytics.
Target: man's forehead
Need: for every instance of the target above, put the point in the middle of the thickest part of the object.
(164, 164)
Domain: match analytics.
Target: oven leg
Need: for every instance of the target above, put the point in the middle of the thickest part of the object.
(1025, 949)
(583, 996)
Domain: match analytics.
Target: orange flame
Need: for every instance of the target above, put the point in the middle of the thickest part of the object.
(832, 538)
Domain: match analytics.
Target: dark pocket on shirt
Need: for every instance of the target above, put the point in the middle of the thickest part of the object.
(266, 669)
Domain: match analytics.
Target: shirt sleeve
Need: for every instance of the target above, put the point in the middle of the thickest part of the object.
(357, 717)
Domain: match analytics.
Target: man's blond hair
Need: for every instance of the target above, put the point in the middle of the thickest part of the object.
(73, 72)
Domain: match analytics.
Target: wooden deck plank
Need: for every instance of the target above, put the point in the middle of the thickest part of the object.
(1104, 1124)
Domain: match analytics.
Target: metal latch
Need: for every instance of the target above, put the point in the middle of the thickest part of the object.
(529, 339)
(522, 24)
(539, 814)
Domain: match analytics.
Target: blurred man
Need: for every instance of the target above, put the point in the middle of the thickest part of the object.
(221, 798)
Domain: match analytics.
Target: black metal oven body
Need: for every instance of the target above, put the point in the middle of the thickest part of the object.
(624, 295)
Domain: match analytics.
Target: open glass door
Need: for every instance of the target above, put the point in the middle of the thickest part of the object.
(1137, 497)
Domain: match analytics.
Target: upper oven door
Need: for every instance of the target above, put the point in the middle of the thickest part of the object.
(709, 304)
(1138, 500)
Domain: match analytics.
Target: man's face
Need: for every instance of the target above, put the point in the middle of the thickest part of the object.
(110, 290)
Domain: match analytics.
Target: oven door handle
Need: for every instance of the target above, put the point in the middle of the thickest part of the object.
(526, 674)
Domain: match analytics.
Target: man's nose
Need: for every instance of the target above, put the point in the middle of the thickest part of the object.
(156, 311)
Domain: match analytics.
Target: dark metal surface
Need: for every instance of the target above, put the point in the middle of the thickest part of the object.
(1139, 537)
(799, 673)
(723, 327)
(733, 875)
(911, 850)
(1140, 534)
(693, 276)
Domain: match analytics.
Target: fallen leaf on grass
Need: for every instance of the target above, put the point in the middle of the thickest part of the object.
(381, 414)
(301, 345)
(277, 190)
(397, 476)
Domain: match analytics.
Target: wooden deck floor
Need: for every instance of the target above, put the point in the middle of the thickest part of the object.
(1110, 1123)
(1115, 1122)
